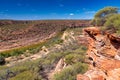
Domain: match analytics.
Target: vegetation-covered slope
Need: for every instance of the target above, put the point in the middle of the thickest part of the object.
(21, 33)
(63, 48)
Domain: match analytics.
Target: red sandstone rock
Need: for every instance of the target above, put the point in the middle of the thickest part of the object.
(82, 77)
(102, 50)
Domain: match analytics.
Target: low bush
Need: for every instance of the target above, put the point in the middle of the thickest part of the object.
(70, 72)
(2, 61)
(21, 70)
(26, 75)
(73, 58)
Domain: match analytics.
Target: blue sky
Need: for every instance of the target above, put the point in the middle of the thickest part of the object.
(52, 9)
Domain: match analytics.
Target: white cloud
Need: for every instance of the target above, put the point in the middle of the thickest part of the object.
(87, 17)
(90, 12)
(27, 5)
(19, 4)
(84, 9)
(71, 14)
(6, 10)
(61, 5)
(53, 13)
(77, 10)
(2, 12)
(60, 0)
(33, 10)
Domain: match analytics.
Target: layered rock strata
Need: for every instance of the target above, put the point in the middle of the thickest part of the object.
(103, 54)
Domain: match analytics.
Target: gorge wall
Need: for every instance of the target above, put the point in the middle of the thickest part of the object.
(103, 54)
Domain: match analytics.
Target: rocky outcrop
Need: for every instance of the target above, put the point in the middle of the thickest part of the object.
(103, 54)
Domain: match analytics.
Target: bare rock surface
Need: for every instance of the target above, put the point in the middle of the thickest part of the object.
(103, 54)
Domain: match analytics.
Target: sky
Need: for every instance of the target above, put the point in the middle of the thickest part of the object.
(52, 9)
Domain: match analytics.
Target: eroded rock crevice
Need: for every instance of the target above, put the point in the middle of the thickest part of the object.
(104, 55)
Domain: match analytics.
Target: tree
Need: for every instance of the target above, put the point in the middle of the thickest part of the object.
(113, 22)
(101, 16)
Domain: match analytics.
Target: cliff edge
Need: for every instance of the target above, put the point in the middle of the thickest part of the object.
(103, 54)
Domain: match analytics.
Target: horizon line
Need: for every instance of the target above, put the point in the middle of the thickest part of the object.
(41, 19)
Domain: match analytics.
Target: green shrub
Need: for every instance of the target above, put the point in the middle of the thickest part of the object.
(2, 61)
(51, 59)
(18, 69)
(26, 75)
(70, 72)
(73, 58)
